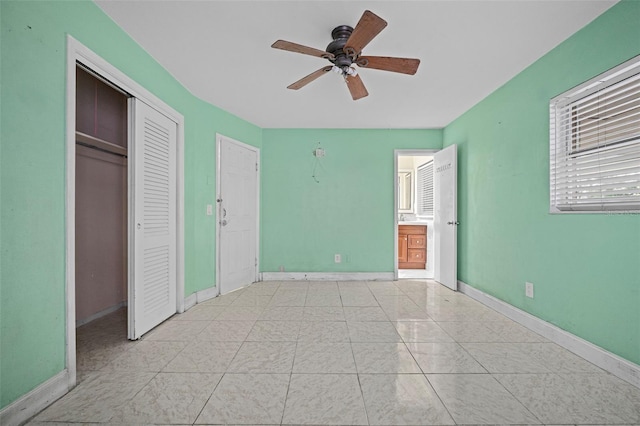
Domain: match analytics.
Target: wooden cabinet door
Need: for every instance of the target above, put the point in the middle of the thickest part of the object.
(402, 248)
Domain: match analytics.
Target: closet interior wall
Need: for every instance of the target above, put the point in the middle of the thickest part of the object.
(101, 197)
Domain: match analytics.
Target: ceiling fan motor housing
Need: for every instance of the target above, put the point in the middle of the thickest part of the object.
(340, 36)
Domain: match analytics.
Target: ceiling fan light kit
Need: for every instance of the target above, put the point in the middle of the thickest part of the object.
(344, 52)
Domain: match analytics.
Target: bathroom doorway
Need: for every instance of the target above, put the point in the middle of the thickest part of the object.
(425, 219)
(414, 207)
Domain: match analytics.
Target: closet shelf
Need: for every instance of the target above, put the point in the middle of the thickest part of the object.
(102, 145)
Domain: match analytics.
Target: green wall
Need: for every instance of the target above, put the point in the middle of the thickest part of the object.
(33, 70)
(585, 267)
(349, 211)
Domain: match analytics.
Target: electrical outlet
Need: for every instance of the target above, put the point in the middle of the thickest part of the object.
(209, 210)
(281, 268)
(528, 289)
(337, 258)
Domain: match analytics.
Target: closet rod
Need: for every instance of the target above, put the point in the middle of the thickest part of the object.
(100, 145)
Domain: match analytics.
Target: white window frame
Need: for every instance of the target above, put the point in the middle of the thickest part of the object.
(559, 139)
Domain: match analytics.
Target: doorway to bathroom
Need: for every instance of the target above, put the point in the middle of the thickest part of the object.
(425, 219)
(414, 215)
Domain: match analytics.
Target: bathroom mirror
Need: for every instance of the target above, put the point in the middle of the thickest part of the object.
(405, 191)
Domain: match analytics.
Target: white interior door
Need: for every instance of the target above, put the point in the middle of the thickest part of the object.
(445, 182)
(152, 295)
(237, 214)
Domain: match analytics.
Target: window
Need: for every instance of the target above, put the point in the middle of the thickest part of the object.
(595, 143)
(425, 189)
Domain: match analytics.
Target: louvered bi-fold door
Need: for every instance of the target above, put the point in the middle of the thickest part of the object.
(152, 296)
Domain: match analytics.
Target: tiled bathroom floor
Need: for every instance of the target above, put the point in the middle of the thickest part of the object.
(338, 353)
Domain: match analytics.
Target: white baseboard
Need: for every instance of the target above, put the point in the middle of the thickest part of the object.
(100, 314)
(327, 276)
(620, 367)
(33, 402)
(206, 294)
(190, 301)
(199, 297)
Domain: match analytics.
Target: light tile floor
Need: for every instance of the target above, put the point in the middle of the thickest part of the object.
(338, 353)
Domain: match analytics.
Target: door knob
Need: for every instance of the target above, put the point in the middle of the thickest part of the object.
(453, 223)
(224, 222)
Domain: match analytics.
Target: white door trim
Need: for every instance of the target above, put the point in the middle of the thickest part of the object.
(398, 153)
(78, 53)
(219, 139)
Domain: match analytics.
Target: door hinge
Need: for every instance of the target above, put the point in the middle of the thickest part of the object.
(256, 264)
(256, 167)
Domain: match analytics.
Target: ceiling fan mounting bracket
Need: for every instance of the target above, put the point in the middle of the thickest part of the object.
(340, 35)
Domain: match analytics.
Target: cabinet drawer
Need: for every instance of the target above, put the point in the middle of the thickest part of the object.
(416, 255)
(416, 241)
(412, 229)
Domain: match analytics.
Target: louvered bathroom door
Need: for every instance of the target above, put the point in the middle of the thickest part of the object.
(152, 295)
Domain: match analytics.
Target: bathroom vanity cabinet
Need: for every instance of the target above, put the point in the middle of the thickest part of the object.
(412, 246)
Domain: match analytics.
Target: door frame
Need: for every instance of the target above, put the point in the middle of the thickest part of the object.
(79, 53)
(219, 139)
(401, 153)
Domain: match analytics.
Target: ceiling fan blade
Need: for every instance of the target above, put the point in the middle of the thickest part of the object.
(356, 87)
(298, 48)
(367, 28)
(385, 63)
(308, 79)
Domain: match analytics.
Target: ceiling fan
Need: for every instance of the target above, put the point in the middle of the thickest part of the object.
(344, 52)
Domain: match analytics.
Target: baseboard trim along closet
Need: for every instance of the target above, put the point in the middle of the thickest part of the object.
(620, 367)
(327, 276)
(199, 297)
(38, 399)
(100, 314)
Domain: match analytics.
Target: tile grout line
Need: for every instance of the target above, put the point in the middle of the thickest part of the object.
(427, 379)
(208, 399)
(364, 403)
(516, 398)
(293, 363)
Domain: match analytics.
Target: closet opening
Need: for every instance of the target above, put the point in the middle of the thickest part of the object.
(101, 217)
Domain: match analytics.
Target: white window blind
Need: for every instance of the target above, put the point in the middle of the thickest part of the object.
(425, 189)
(595, 143)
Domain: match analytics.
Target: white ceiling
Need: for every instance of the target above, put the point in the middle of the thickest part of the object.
(220, 51)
